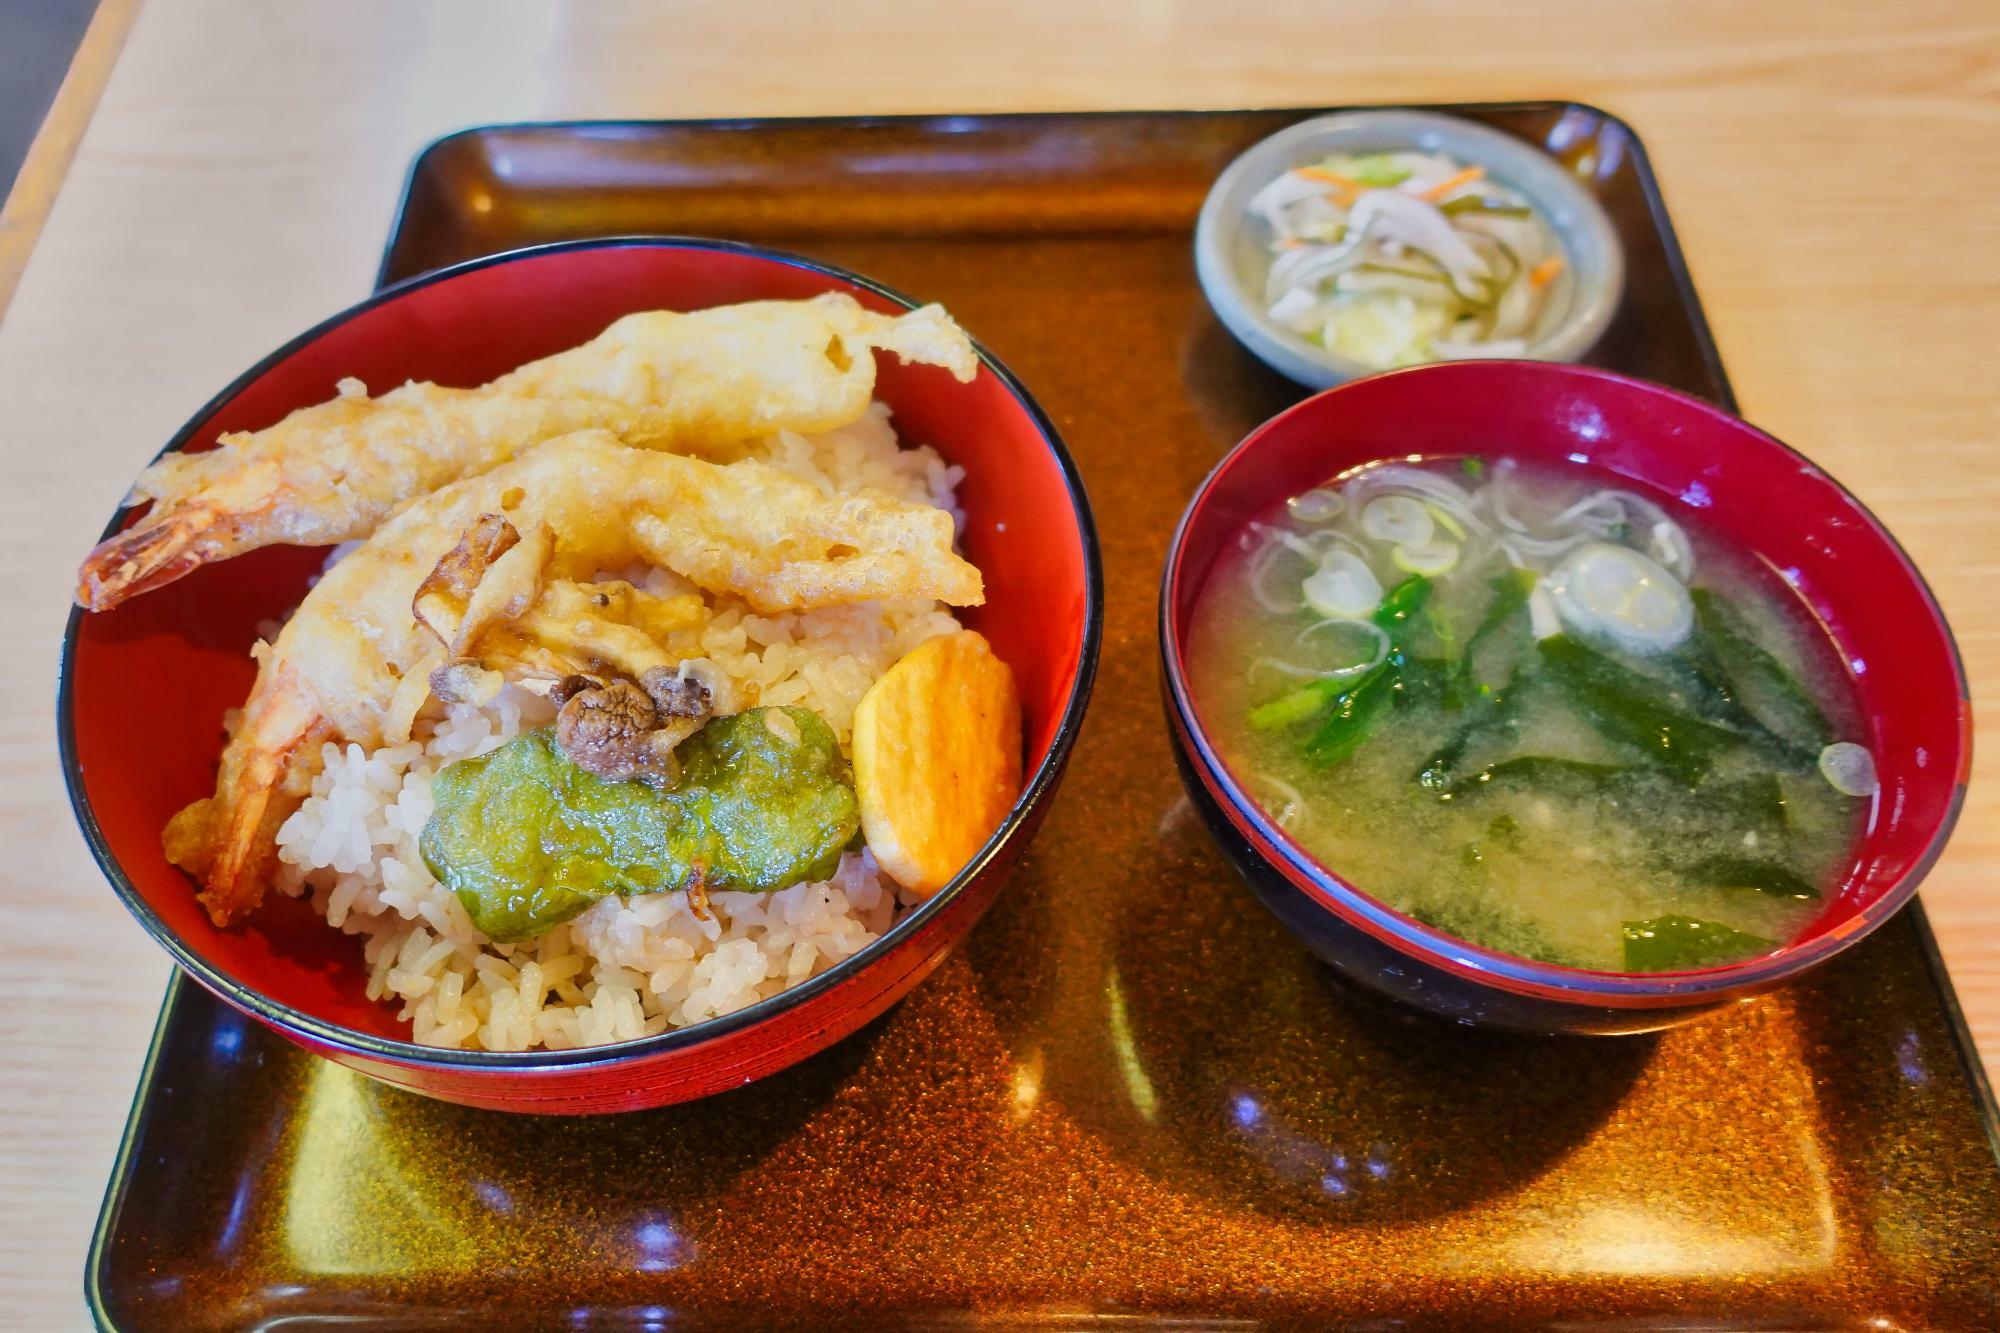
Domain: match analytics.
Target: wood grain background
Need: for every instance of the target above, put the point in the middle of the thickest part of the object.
(1831, 168)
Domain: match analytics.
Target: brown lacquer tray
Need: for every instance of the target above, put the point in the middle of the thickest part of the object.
(1132, 1098)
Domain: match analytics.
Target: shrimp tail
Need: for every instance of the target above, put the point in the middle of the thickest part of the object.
(205, 508)
(167, 544)
(229, 840)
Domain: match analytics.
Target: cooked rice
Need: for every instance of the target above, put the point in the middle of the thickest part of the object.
(626, 967)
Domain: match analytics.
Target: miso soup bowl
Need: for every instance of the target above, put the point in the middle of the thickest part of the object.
(1727, 478)
(144, 687)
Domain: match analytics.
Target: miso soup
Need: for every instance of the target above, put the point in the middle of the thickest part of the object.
(1535, 711)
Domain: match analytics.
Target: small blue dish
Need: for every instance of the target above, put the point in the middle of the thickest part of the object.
(1231, 259)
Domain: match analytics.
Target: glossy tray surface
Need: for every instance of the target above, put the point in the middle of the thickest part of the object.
(1132, 1098)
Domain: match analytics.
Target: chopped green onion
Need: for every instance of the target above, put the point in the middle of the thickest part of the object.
(1430, 559)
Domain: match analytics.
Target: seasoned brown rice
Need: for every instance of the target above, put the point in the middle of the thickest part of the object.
(626, 967)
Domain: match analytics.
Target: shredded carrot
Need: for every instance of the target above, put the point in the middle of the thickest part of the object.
(1544, 273)
(1450, 183)
(1291, 243)
(1333, 178)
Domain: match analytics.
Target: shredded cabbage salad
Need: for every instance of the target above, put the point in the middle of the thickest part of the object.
(1393, 259)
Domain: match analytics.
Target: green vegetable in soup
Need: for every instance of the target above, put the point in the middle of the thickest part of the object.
(1356, 717)
(1492, 928)
(1762, 681)
(1404, 601)
(1488, 716)
(1478, 675)
(1634, 710)
(1540, 770)
(1748, 872)
(1702, 679)
(1422, 681)
(1295, 706)
(1307, 701)
(1758, 800)
(1360, 712)
(1676, 943)
(527, 839)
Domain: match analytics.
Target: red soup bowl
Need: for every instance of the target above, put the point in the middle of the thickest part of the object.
(144, 687)
(1726, 478)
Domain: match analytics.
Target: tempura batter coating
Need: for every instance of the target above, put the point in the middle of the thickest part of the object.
(705, 383)
(354, 661)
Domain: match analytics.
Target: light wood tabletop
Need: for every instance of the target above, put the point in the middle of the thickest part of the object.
(1830, 168)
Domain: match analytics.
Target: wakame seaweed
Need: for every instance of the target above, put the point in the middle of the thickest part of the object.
(1759, 674)
(1676, 943)
(1749, 872)
(1634, 710)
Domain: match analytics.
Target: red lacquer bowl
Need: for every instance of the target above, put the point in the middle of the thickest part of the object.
(1725, 477)
(144, 687)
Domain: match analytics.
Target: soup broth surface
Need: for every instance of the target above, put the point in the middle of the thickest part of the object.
(1567, 727)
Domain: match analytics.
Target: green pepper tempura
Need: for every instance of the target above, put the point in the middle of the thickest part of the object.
(1535, 713)
(527, 840)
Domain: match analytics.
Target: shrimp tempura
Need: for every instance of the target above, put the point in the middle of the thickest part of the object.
(704, 383)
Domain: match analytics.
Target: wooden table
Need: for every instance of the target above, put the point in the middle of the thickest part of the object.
(1831, 168)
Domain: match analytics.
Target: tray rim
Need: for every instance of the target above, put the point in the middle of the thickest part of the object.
(180, 985)
(1656, 206)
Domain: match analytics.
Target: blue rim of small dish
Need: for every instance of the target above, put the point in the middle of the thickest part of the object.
(1034, 791)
